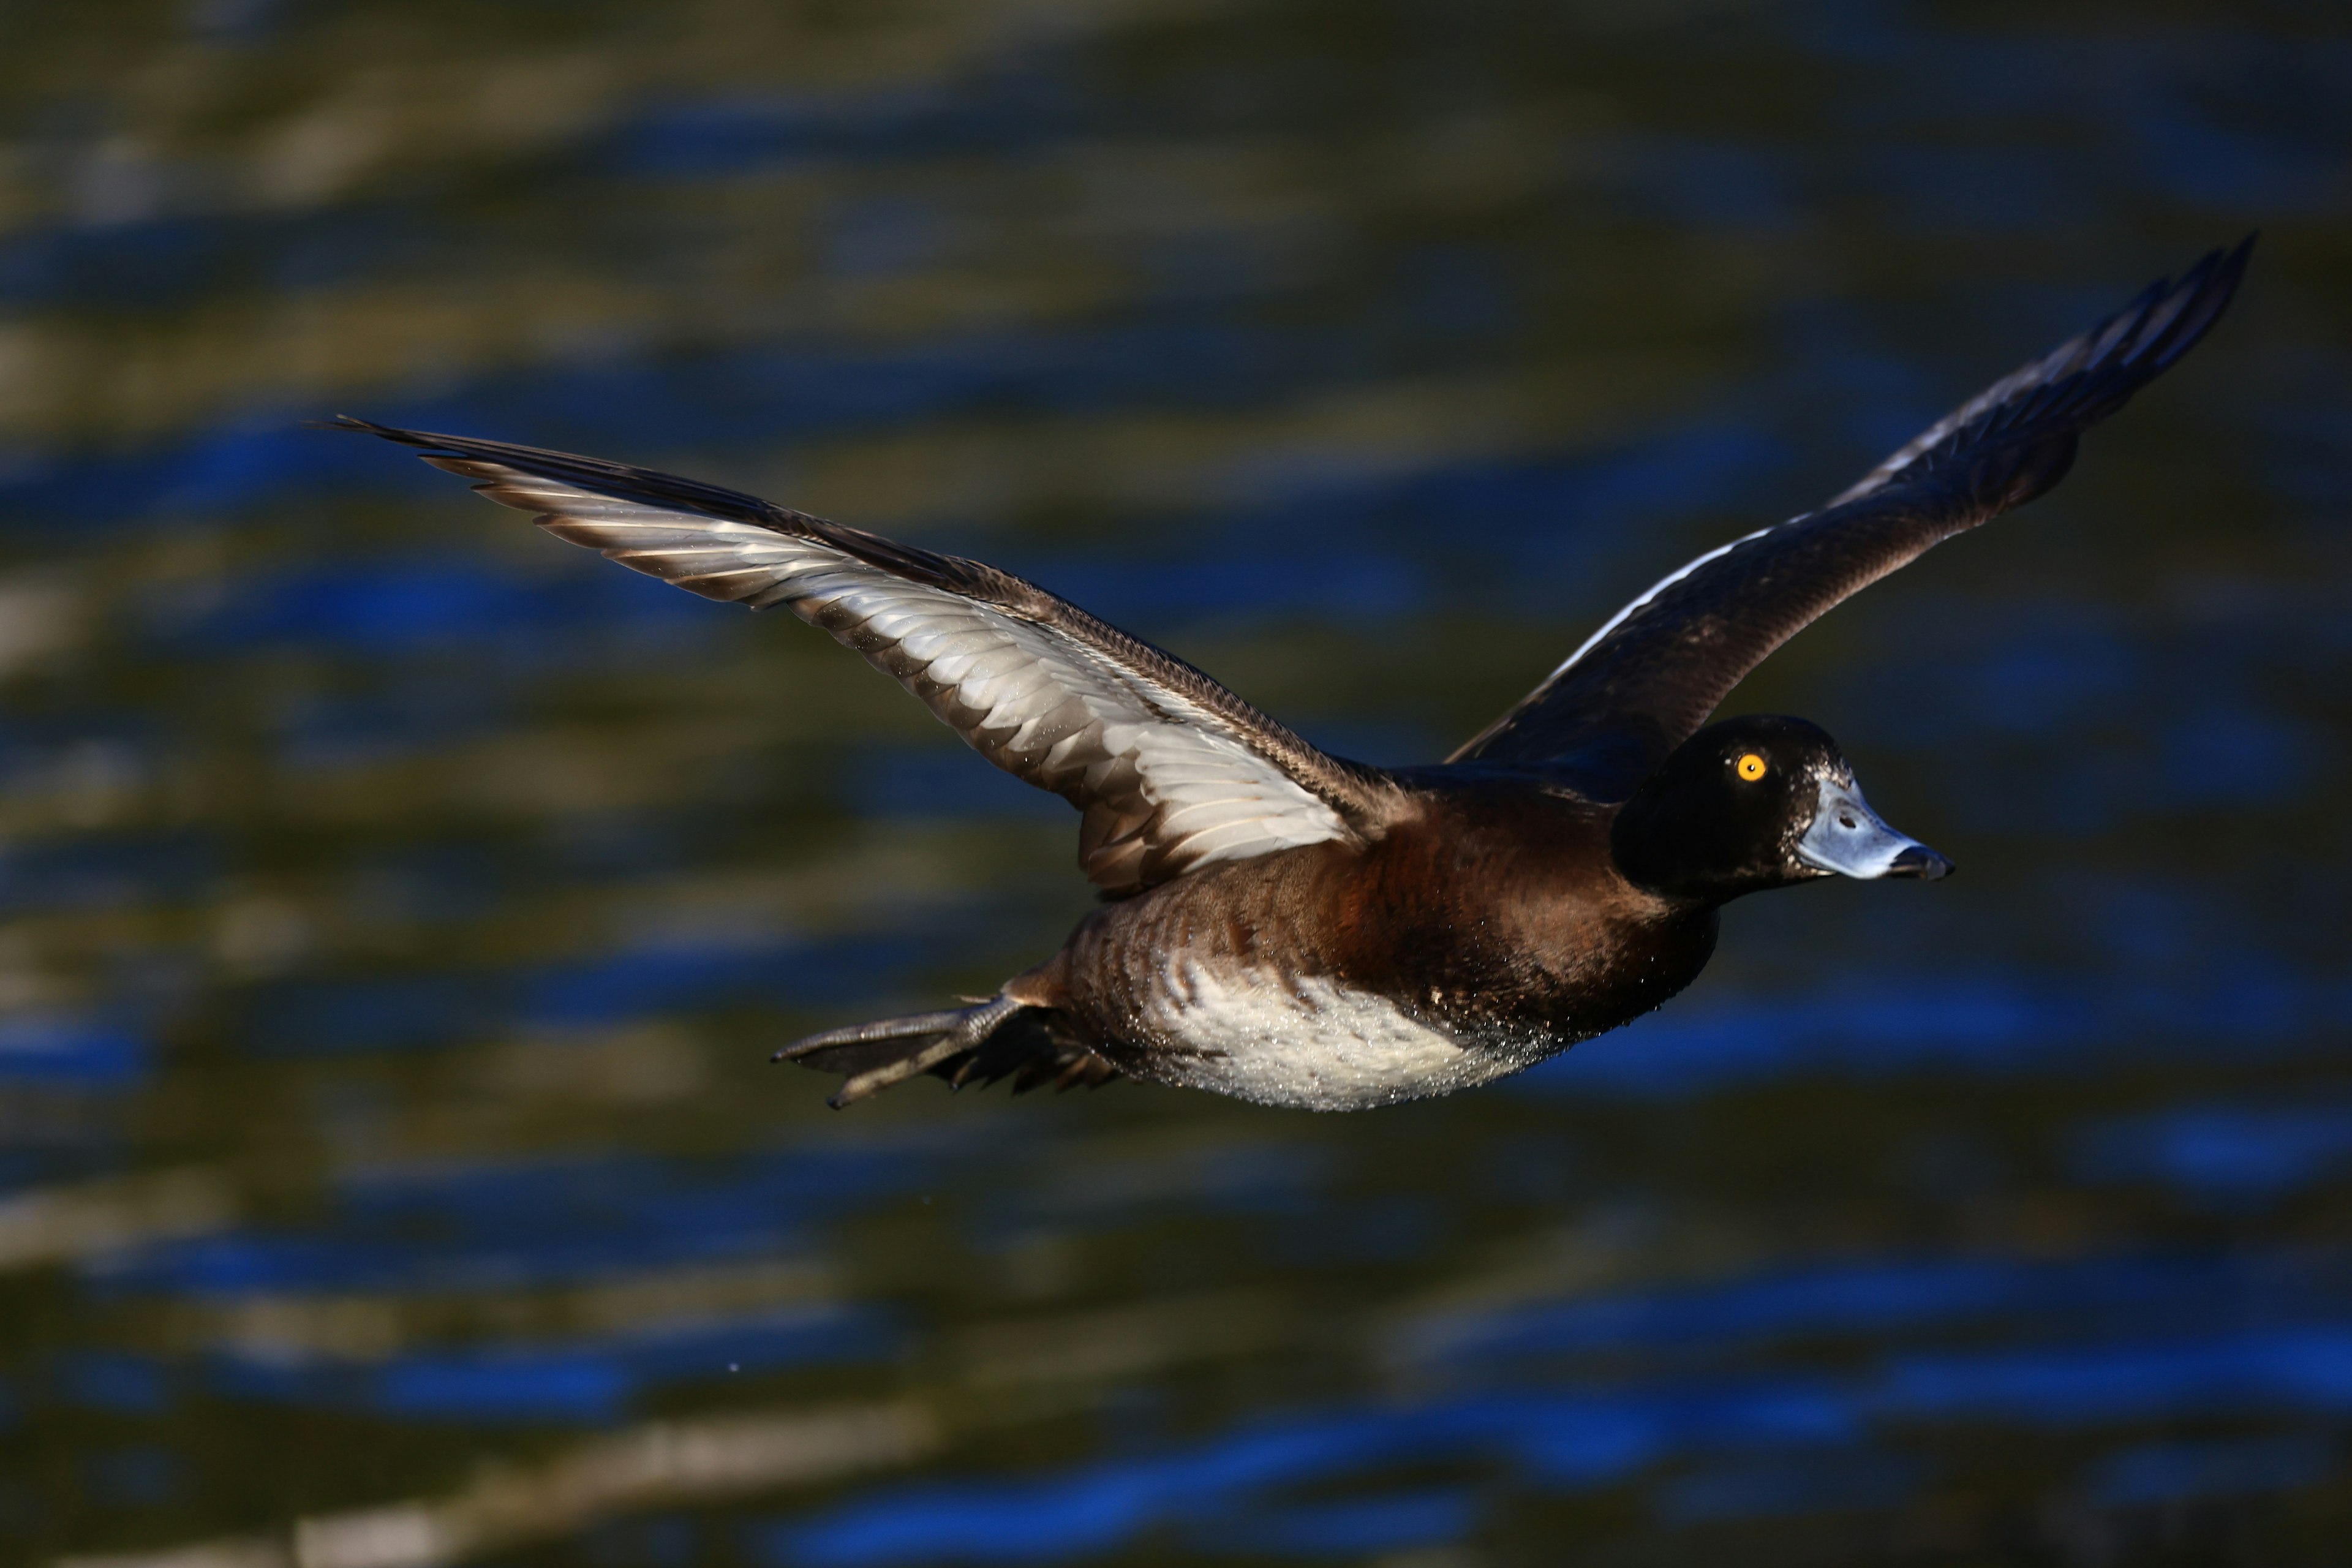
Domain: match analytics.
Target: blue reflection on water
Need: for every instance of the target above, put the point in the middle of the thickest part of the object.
(2155, 720)
(1250, 583)
(1986, 1024)
(2236, 754)
(2286, 1370)
(1885, 1300)
(1711, 186)
(2046, 684)
(106, 871)
(161, 264)
(390, 607)
(2226, 1467)
(622, 1195)
(1576, 1440)
(1879, 1297)
(157, 265)
(1538, 510)
(116, 1381)
(1560, 1440)
(1572, 1439)
(524, 1223)
(677, 975)
(941, 780)
(1790, 1484)
(313, 1018)
(325, 1016)
(77, 1051)
(578, 1381)
(1973, 190)
(325, 735)
(2233, 1155)
(1233, 1176)
(1393, 1522)
(380, 607)
(2250, 174)
(1015, 104)
(559, 1250)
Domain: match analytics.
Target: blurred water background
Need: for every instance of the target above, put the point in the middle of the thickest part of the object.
(399, 906)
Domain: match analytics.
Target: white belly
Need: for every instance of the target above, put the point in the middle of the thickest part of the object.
(1312, 1044)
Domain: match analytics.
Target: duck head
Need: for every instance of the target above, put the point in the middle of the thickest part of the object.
(1756, 803)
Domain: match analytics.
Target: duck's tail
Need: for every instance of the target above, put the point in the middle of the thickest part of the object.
(997, 1038)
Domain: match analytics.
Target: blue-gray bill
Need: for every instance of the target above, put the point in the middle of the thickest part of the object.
(1853, 840)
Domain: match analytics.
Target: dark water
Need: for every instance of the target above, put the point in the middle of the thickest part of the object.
(399, 907)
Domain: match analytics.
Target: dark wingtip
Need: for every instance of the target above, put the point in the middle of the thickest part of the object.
(2167, 320)
(2205, 290)
(359, 427)
(620, 480)
(2027, 440)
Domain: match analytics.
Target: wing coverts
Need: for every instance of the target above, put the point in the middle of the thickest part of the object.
(1169, 770)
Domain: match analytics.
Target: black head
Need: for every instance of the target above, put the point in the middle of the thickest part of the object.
(1757, 803)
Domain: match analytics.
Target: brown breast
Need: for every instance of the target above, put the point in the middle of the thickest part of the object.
(1492, 910)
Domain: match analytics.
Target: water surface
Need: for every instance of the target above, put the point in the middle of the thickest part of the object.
(399, 907)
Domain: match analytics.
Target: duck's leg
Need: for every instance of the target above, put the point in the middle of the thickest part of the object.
(890, 1051)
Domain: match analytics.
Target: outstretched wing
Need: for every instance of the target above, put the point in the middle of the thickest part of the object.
(1647, 681)
(1170, 769)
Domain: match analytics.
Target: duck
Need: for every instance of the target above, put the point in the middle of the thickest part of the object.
(1294, 929)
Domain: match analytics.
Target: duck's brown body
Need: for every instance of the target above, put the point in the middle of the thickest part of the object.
(1486, 930)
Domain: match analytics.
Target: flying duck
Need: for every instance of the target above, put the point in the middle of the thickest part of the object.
(1294, 928)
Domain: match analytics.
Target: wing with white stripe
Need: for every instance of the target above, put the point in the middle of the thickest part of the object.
(1649, 678)
(1169, 770)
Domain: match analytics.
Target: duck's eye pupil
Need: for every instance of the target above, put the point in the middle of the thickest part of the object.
(1751, 767)
(1845, 820)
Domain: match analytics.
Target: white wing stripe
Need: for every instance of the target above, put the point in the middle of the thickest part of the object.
(1657, 588)
(1167, 783)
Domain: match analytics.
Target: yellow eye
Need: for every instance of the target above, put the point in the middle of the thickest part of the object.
(1751, 767)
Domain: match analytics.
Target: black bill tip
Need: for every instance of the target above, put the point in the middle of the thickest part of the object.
(1922, 862)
